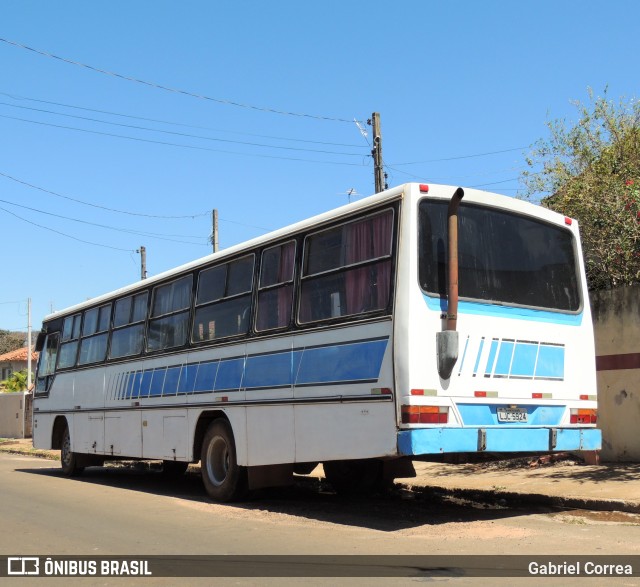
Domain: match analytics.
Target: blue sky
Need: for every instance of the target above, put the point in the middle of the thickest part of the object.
(451, 80)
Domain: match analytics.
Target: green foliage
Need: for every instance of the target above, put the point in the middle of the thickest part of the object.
(10, 341)
(16, 382)
(592, 172)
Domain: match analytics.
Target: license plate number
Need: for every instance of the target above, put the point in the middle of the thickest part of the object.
(512, 415)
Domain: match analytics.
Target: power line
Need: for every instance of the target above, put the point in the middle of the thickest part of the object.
(461, 157)
(126, 230)
(479, 185)
(180, 134)
(166, 143)
(64, 234)
(58, 195)
(174, 90)
(173, 123)
(126, 212)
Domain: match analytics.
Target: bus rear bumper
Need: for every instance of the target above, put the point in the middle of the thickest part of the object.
(422, 441)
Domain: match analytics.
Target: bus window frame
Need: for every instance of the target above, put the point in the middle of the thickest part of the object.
(293, 283)
(113, 329)
(151, 318)
(96, 333)
(75, 316)
(251, 293)
(394, 209)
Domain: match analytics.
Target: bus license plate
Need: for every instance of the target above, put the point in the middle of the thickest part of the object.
(512, 415)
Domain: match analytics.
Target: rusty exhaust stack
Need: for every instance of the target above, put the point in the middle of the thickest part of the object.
(452, 261)
(447, 341)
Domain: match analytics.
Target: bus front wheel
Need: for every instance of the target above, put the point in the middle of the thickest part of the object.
(223, 478)
(69, 459)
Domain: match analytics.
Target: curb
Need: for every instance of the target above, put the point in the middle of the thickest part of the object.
(516, 499)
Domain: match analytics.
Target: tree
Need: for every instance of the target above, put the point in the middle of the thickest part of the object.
(10, 341)
(17, 381)
(591, 172)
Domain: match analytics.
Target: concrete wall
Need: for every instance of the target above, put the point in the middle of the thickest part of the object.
(616, 320)
(15, 415)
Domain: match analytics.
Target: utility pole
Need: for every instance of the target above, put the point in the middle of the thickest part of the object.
(28, 346)
(214, 230)
(376, 152)
(143, 262)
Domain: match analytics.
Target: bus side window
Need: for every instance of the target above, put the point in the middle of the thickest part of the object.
(127, 336)
(223, 300)
(70, 338)
(47, 364)
(347, 269)
(275, 289)
(95, 335)
(169, 321)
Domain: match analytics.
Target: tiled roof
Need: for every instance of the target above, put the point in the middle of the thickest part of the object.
(18, 355)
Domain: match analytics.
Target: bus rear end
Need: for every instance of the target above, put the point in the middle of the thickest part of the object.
(521, 377)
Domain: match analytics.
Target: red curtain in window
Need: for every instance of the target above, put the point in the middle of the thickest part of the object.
(367, 288)
(287, 258)
(274, 306)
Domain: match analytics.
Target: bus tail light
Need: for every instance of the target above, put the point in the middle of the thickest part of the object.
(425, 414)
(581, 416)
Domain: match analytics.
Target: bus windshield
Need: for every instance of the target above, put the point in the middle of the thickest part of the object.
(503, 258)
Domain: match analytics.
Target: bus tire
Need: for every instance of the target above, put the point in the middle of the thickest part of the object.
(223, 478)
(359, 476)
(68, 459)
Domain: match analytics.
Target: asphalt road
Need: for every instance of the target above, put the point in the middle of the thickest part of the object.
(130, 511)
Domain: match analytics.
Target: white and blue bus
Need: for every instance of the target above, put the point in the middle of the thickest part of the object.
(408, 325)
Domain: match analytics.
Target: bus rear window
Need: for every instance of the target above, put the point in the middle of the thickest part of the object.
(503, 258)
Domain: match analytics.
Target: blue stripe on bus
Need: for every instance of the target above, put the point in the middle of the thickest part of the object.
(475, 368)
(229, 377)
(524, 359)
(464, 354)
(347, 362)
(269, 370)
(464, 307)
(492, 357)
(422, 441)
(503, 364)
(352, 361)
(206, 376)
(550, 362)
(157, 382)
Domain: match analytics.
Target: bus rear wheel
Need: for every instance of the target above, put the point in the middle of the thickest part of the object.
(223, 478)
(69, 459)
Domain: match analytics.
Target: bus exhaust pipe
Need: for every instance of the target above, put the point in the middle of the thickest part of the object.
(447, 341)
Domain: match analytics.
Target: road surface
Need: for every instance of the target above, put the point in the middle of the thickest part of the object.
(133, 511)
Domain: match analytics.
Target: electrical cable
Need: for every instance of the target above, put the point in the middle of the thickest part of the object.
(111, 113)
(461, 157)
(173, 90)
(64, 234)
(46, 191)
(166, 143)
(180, 134)
(126, 230)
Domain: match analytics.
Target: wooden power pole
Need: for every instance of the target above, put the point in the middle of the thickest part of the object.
(214, 230)
(376, 152)
(143, 262)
